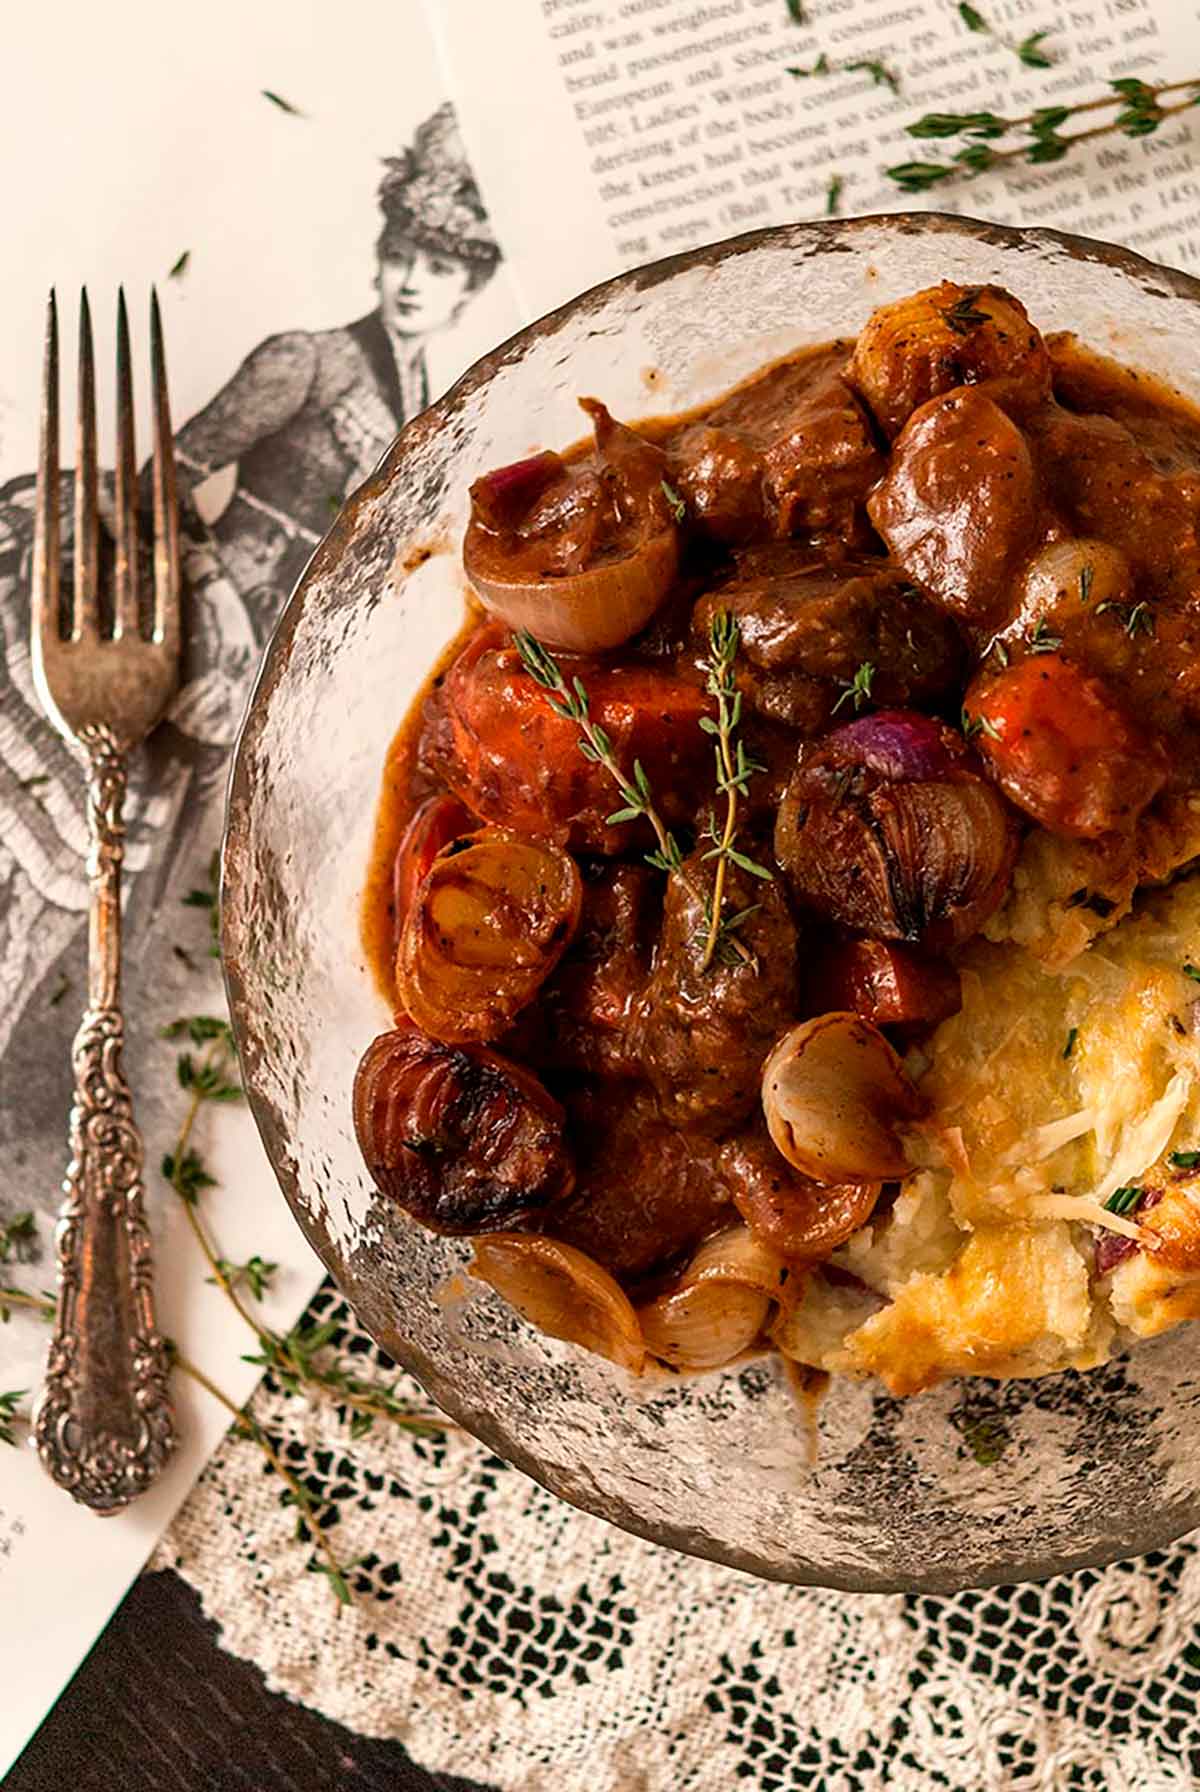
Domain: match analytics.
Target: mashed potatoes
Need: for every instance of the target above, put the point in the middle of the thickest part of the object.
(1049, 1091)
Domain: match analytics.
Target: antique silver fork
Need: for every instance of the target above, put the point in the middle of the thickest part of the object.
(104, 1423)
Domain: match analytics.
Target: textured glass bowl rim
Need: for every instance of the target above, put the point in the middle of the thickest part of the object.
(831, 234)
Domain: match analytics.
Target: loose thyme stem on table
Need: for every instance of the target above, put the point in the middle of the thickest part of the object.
(305, 1504)
(10, 1416)
(1028, 49)
(242, 1423)
(209, 1079)
(1141, 114)
(880, 73)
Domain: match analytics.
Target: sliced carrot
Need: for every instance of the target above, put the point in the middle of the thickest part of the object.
(516, 762)
(1061, 748)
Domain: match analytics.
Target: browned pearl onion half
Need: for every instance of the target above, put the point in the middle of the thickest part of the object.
(492, 917)
(564, 1292)
(461, 1138)
(835, 1096)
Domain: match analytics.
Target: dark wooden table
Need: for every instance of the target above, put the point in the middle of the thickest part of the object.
(158, 1707)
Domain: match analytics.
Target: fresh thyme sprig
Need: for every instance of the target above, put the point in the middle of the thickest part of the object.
(1028, 49)
(973, 725)
(209, 1077)
(1140, 112)
(255, 1272)
(571, 702)
(964, 315)
(10, 1415)
(1040, 640)
(858, 691)
(309, 1526)
(15, 1235)
(1135, 619)
(16, 1297)
(207, 898)
(242, 1423)
(292, 1360)
(675, 503)
(880, 73)
(734, 771)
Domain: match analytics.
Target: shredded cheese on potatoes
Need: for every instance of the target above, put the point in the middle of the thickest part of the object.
(1050, 1090)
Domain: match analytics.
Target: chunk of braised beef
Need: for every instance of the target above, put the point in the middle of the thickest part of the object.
(791, 452)
(702, 1034)
(772, 746)
(807, 627)
(460, 1137)
(960, 506)
(719, 475)
(583, 1017)
(1108, 485)
(787, 1212)
(821, 460)
(646, 1192)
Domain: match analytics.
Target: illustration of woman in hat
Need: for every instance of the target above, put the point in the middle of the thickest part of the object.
(301, 423)
(307, 416)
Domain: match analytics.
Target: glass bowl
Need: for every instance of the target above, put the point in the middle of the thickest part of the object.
(970, 1484)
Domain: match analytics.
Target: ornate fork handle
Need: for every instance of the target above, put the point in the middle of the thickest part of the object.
(104, 1425)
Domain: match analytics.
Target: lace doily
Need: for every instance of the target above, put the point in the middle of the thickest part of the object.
(501, 1635)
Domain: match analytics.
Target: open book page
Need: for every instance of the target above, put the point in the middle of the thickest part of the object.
(276, 179)
(662, 124)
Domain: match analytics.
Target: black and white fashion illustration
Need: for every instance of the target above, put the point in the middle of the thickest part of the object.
(262, 468)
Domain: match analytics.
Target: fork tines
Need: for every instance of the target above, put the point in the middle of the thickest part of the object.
(85, 618)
